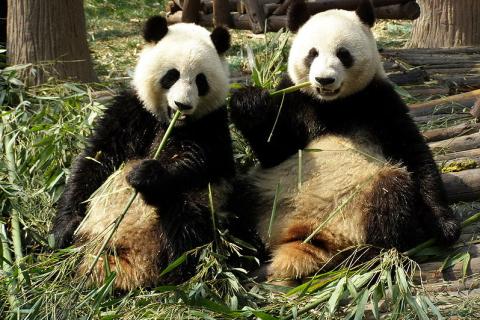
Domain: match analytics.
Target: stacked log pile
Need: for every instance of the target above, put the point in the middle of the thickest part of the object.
(270, 15)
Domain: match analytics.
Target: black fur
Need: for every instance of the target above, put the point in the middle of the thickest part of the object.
(312, 54)
(169, 79)
(345, 57)
(202, 84)
(155, 29)
(366, 12)
(378, 110)
(197, 152)
(297, 15)
(221, 39)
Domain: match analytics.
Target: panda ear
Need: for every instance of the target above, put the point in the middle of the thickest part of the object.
(155, 29)
(297, 15)
(221, 39)
(366, 12)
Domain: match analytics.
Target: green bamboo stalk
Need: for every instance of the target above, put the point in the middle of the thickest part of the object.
(15, 218)
(300, 168)
(212, 210)
(274, 210)
(467, 222)
(127, 206)
(6, 267)
(291, 89)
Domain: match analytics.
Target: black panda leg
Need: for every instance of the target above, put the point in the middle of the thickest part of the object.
(389, 210)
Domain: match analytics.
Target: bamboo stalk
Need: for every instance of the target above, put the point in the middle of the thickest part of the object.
(212, 211)
(15, 219)
(291, 89)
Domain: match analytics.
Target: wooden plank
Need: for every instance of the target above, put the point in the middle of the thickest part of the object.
(463, 185)
(256, 15)
(404, 11)
(468, 142)
(451, 132)
(191, 11)
(221, 13)
(467, 154)
(464, 98)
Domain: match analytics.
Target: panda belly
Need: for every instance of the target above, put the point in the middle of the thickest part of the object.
(338, 178)
(135, 248)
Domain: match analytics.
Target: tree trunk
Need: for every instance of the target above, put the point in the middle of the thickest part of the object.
(446, 23)
(51, 35)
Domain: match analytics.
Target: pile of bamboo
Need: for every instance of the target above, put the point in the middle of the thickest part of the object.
(270, 15)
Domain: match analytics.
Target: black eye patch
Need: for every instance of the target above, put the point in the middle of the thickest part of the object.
(312, 54)
(202, 84)
(345, 57)
(169, 79)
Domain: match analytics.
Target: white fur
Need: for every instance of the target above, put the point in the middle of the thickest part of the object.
(324, 187)
(189, 49)
(327, 31)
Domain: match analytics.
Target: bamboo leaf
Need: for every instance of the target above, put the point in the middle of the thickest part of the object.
(336, 296)
(362, 302)
(175, 264)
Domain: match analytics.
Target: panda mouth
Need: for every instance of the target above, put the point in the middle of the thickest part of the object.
(171, 113)
(327, 93)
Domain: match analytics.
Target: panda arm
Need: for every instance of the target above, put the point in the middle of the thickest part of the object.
(194, 156)
(123, 132)
(402, 141)
(254, 112)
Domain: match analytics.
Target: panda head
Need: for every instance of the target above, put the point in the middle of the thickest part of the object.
(335, 50)
(182, 68)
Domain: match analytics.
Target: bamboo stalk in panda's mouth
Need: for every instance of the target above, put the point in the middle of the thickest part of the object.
(134, 195)
(291, 89)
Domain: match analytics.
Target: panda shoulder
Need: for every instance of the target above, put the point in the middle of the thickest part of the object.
(126, 106)
(126, 110)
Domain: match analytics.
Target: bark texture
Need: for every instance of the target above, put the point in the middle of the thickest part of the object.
(447, 23)
(50, 34)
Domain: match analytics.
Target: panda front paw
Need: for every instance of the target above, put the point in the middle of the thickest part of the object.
(447, 226)
(148, 175)
(249, 104)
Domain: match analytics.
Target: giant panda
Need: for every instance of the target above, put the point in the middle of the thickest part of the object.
(366, 174)
(181, 67)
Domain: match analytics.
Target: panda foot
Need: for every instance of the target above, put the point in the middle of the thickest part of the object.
(449, 230)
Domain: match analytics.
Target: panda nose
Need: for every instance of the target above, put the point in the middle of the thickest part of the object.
(182, 106)
(325, 81)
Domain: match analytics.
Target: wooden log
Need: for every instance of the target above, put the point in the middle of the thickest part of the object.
(467, 154)
(463, 185)
(413, 76)
(324, 5)
(256, 15)
(221, 13)
(426, 92)
(405, 11)
(463, 99)
(462, 143)
(282, 9)
(475, 112)
(207, 6)
(451, 132)
(191, 11)
(441, 118)
(427, 51)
